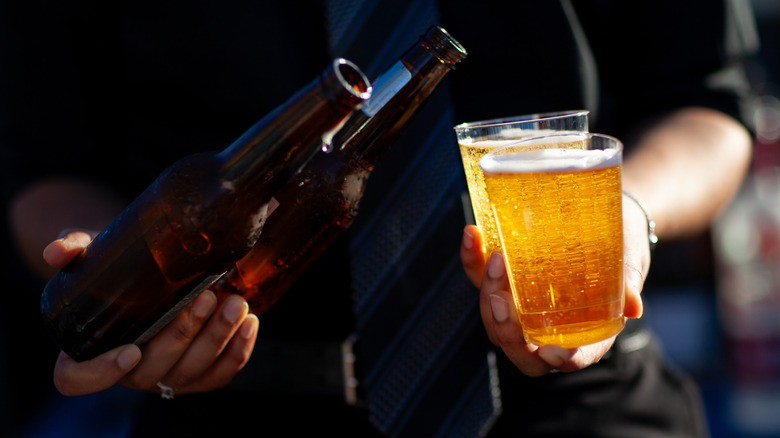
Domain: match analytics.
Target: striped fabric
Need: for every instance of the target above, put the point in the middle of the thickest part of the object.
(426, 366)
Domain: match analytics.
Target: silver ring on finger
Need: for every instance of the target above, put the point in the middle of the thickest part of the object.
(166, 392)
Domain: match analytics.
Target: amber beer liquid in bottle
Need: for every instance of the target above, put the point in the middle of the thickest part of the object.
(188, 227)
(320, 202)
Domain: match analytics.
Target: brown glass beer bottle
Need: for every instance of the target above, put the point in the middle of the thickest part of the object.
(320, 202)
(188, 227)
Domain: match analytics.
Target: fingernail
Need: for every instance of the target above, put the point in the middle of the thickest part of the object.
(47, 249)
(204, 304)
(129, 357)
(234, 309)
(554, 355)
(634, 306)
(499, 307)
(634, 280)
(248, 328)
(496, 265)
(468, 240)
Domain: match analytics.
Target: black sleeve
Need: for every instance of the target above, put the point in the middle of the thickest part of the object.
(655, 57)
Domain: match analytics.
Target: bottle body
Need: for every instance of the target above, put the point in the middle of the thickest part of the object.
(86, 296)
(307, 216)
(183, 232)
(321, 202)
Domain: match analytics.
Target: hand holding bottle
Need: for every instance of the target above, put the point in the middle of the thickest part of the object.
(201, 350)
(197, 218)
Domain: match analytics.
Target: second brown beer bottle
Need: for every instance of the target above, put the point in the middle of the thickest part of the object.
(315, 207)
(186, 229)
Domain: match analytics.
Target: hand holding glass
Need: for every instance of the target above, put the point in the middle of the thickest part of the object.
(475, 139)
(557, 201)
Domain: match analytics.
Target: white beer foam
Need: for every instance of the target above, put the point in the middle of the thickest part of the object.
(546, 160)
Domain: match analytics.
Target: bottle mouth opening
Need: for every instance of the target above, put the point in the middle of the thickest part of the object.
(448, 49)
(353, 78)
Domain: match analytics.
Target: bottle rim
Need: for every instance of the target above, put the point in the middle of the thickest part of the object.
(352, 78)
(447, 48)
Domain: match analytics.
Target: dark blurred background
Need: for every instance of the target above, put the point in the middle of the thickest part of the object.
(716, 308)
(717, 312)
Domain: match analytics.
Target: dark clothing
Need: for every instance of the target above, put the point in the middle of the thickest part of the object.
(147, 83)
(118, 91)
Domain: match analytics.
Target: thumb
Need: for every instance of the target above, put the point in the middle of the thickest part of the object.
(94, 375)
(633, 283)
(60, 252)
(471, 255)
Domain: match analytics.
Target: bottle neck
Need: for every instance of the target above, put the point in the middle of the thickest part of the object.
(440, 43)
(277, 146)
(397, 95)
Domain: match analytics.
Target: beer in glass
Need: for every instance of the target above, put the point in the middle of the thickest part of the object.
(475, 139)
(557, 205)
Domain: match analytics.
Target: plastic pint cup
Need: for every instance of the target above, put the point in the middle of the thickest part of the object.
(557, 202)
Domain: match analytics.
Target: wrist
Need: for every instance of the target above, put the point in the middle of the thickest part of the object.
(651, 236)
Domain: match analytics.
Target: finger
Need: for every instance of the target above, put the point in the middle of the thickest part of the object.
(163, 351)
(633, 279)
(61, 251)
(574, 359)
(494, 301)
(67, 231)
(94, 375)
(471, 255)
(232, 360)
(501, 321)
(209, 344)
(633, 283)
(636, 257)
